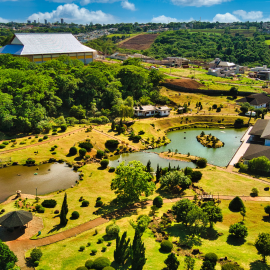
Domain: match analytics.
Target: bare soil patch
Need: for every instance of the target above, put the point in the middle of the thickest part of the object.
(187, 83)
(140, 42)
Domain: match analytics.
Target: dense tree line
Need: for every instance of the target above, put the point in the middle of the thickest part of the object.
(238, 49)
(33, 95)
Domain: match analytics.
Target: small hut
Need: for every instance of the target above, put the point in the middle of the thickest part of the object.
(15, 219)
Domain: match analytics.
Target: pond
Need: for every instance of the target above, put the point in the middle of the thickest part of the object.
(49, 178)
(185, 142)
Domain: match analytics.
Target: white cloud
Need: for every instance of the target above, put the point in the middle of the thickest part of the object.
(86, 2)
(225, 18)
(163, 19)
(3, 20)
(73, 13)
(198, 3)
(8, 0)
(128, 5)
(252, 15)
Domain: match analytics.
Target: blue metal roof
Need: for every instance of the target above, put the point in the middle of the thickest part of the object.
(12, 49)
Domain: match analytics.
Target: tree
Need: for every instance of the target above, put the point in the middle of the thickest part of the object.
(236, 204)
(202, 162)
(262, 245)
(172, 262)
(259, 165)
(137, 249)
(113, 125)
(64, 212)
(82, 152)
(238, 230)
(244, 109)
(148, 166)
(181, 210)
(207, 265)
(267, 209)
(73, 151)
(36, 254)
(214, 213)
(121, 253)
(142, 223)
(158, 175)
(234, 91)
(189, 263)
(131, 181)
(239, 122)
(254, 192)
(243, 212)
(77, 111)
(7, 257)
(158, 202)
(174, 179)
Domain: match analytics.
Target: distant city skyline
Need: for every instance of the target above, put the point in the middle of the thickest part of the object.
(142, 11)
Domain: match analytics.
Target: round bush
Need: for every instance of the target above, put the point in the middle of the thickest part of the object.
(82, 248)
(100, 263)
(99, 203)
(100, 154)
(100, 240)
(104, 163)
(112, 230)
(82, 268)
(112, 169)
(238, 230)
(49, 203)
(85, 203)
(63, 127)
(73, 151)
(86, 145)
(36, 254)
(158, 202)
(75, 215)
(94, 251)
(212, 257)
(2, 146)
(236, 204)
(89, 264)
(196, 176)
(56, 211)
(112, 144)
(202, 162)
(36, 263)
(98, 199)
(5, 143)
(82, 152)
(54, 133)
(40, 139)
(231, 266)
(108, 268)
(45, 137)
(166, 246)
(188, 171)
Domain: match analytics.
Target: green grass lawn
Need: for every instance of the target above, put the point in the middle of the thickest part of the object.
(267, 42)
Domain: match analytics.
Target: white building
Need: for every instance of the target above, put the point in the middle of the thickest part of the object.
(150, 110)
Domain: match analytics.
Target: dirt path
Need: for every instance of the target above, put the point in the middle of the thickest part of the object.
(54, 138)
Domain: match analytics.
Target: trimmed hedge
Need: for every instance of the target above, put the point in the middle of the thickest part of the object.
(104, 163)
(166, 246)
(75, 215)
(85, 203)
(111, 144)
(212, 257)
(73, 151)
(89, 264)
(236, 204)
(49, 203)
(158, 202)
(100, 263)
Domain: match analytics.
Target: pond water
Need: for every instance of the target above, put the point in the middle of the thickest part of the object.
(185, 142)
(49, 178)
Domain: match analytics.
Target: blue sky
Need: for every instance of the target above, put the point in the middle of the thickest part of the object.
(142, 11)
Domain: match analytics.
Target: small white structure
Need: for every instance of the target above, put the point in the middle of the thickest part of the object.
(253, 114)
(164, 110)
(150, 110)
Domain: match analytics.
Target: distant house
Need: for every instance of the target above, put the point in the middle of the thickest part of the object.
(256, 100)
(150, 110)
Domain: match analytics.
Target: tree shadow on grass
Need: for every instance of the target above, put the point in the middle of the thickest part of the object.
(78, 158)
(121, 267)
(210, 234)
(55, 228)
(266, 219)
(178, 230)
(168, 195)
(259, 265)
(234, 241)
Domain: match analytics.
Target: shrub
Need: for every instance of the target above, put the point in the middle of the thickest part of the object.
(73, 151)
(5, 143)
(136, 138)
(40, 209)
(81, 268)
(202, 162)
(88, 244)
(231, 266)
(112, 229)
(36, 263)
(94, 251)
(211, 257)
(218, 109)
(99, 203)
(82, 248)
(36, 254)
(254, 192)
(100, 154)
(45, 137)
(40, 139)
(89, 264)
(82, 152)
(141, 132)
(49, 203)
(158, 202)
(111, 144)
(100, 240)
(267, 209)
(53, 153)
(214, 106)
(238, 122)
(112, 169)
(108, 268)
(63, 127)
(196, 176)
(104, 163)
(75, 215)
(2, 146)
(104, 249)
(236, 204)
(54, 133)
(100, 263)
(86, 145)
(14, 140)
(98, 199)
(238, 230)
(56, 212)
(188, 171)
(166, 246)
(85, 203)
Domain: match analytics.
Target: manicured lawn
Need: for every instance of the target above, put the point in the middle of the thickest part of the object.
(267, 42)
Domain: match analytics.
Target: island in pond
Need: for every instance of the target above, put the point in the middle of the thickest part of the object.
(209, 141)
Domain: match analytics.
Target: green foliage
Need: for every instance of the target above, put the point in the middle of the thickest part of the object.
(131, 181)
(77, 111)
(7, 257)
(100, 154)
(49, 203)
(255, 192)
(141, 224)
(238, 230)
(236, 204)
(100, 263)
(104, 163)
(181, 209)
(112, 144)
(86, 145)
(166, 246)
(82, 248)
(73, 151)
(196, 176)
(36, 254)
(121, 252)
(244, 109)
(214, 213)
(111, 169)
(82, 268)
(262, 245)
(231, 266)
(239, 122)
(202, 162)
(189, 263)
(158, 202)
(259, 165)
(207, 265)
(82, 152)
(99, 203)
(267, 209)
(64, 212)
(75, 215)
(172, 262)
(108, 268)
(112, 230)
(63, 127)
(211, 257)
(85, 203)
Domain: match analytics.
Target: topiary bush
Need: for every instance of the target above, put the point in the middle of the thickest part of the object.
(104, 163)
(236, 204)
(45, 137)
(36, 254)
(212, 257)
(85, 203)
(73, 151)
(158, 202)
(100, 154)
(267, 209)
(82, 152)
(75, 215)
(94, 251)
(111, 144)
(166, 246)
(86, 145)
(63, 127)
(89, 264)
(196, 176)
(82, 268)
(231, 266)
(2, 146)
(112, 230)
(99, 203)
(112, 169)
(100, 263)
(202, 162)
(82, 248)
(100, 240)
(49, 203)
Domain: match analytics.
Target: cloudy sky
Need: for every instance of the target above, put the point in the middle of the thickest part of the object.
(112, 11)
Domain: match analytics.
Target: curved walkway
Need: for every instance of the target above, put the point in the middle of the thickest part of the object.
(19, 247)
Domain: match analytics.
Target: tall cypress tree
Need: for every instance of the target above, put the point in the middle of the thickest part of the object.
(157, 174)
(137, 249)
(148, 166)
(113, 125)
(121, 252)
(169, 168)
(64, 211)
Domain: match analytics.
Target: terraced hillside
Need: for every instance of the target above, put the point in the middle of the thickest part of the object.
(140, 42)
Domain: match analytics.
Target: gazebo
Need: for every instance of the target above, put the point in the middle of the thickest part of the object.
(15, 219)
